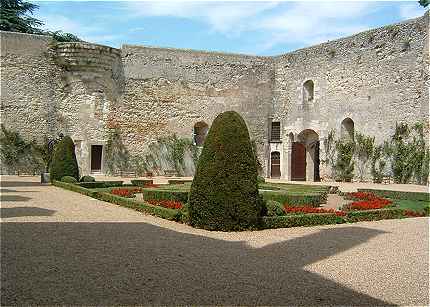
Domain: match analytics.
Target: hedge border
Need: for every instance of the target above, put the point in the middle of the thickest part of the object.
(285, 221)
(179, 181)
(100, 184)
(306, 199)
(141, 182)
(418, 196)
(163, 194)
(165, 213)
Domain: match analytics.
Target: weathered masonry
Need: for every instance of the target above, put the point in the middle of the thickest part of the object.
(366, 83)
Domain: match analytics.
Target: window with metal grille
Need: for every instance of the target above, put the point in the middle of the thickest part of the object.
(275, 132)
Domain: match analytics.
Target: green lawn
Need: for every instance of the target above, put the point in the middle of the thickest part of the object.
(411, 204)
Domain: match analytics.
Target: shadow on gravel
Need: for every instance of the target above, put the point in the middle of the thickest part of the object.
(24, 211)
(137, 263)
(16, 191)
(14, 198)
(10, 184)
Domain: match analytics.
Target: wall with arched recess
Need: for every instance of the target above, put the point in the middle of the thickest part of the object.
(376, 78)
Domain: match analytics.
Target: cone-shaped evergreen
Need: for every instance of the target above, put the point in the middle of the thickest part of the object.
(224, 192)
(64, 160)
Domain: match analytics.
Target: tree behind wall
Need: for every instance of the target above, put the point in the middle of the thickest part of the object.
(15, 16)
(64, 160)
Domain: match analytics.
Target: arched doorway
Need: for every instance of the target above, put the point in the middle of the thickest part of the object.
(347, 129)
(305, 157)
(200, 132)
(275, 164)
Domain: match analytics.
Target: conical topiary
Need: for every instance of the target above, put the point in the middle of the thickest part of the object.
(64, 160)
(224, 192)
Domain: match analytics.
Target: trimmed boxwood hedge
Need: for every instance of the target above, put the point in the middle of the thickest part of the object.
(165, 213)
(419, 196)
(295, 220)
(313, 200)
(179, 181)
(141, 182)
(101, 184)
(374, 215)
(68, 179)
(181, 196)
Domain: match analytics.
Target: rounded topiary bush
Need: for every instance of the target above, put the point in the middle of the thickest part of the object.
(224, 192)
(69, 179)
(87, 179)
(64, 160)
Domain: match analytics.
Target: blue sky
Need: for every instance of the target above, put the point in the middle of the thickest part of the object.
(261, 28)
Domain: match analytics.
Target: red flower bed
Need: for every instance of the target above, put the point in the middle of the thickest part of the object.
(369, 204)
(129, 193)
(366, 201)
(170, 204)
(306, 209)
(362, 196)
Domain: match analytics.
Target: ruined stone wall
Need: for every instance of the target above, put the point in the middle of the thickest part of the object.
(30, 82)
(169, 90)
(376, 78)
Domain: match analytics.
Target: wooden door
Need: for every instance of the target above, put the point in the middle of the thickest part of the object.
(96, 158)
(298, 162)
(275, 165)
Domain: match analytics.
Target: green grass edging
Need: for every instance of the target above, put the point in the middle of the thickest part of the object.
(420, 196)
(165, 213)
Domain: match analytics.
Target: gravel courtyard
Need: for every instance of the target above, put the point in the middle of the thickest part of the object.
(60, 247)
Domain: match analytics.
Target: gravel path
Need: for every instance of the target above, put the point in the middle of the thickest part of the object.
(59, 247)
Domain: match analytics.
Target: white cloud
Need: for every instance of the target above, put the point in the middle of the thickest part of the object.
(293, 22)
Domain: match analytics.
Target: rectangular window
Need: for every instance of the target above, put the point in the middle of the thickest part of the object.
(275, 132)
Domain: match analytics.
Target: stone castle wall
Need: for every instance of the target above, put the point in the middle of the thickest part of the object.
(86, 90)
(376, 78)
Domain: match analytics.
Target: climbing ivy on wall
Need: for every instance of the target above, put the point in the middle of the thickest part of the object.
(405, 156)
(166, 153)
(18, 155)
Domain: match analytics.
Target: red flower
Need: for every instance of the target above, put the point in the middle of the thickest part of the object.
(129, 193)
(170, 204)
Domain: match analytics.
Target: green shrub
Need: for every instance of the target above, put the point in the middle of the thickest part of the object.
(419, 196)
(301, 220)
(261, 180)
(68, 179)
(181, 196)
(274, 208)
(141, 182)
(224, 193)
(374, 215)
(87, 179)
(64, 160)
(313, 200)
(179, 181)
(101, 184)
(344, 162)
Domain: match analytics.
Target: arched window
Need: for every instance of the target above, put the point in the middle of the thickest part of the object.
(347, 129)
(308, 91)
(200, 132)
